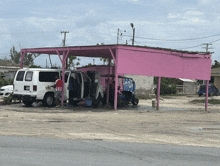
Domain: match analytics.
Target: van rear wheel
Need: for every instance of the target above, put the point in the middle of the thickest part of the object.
(48, 100)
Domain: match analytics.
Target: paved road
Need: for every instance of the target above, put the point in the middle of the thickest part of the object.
(38, 151)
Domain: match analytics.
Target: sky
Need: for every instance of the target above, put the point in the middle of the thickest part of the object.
(175, 24)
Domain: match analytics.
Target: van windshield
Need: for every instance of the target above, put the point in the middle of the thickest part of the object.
(48, 76)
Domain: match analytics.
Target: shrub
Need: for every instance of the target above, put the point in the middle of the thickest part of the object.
(166, 90)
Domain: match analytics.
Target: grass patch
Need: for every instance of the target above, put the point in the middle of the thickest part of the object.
(211, 101)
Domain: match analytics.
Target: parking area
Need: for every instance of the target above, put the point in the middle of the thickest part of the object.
(177, 122)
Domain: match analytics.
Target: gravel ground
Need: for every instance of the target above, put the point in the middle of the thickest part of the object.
(177, 122)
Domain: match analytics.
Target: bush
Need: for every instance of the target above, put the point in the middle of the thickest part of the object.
(4, 82)
(166, 90)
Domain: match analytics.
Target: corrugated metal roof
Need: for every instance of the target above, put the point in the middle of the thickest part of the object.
(186, 80)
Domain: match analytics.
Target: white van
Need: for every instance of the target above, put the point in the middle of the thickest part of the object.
(34, 84)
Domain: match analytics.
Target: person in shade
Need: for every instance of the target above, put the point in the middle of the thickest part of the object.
(58, 93)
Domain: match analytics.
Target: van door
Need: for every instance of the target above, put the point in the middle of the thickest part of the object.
(86, 85)
(19, 82)
(66, 88)
(28, 84)
(80, 85)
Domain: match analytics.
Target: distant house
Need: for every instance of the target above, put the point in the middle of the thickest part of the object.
(188, 86)
(8, 69)
(144, 84)
(216, 74)
(185, 86)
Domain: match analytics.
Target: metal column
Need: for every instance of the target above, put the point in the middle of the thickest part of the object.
(158, 92)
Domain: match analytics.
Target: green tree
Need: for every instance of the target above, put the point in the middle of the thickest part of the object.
(89, 64)
(15, 57)
(165, 85)
(73, 61)
(216, 64)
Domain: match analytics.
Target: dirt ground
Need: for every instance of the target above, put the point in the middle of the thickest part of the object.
(177, 122)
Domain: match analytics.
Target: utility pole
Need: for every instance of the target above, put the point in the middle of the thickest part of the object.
(64, 36)
(207, 52)
(207, 47)
(119, 34)
(132, 26)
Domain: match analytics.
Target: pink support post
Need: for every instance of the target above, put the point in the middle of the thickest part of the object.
(158, 92)
(206, 95)
(63, 74)
(116, 84)
(116, 90)
(63, 61)
(22, 58)
(107, 98)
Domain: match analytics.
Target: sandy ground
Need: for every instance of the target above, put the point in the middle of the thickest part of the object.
(177, 122)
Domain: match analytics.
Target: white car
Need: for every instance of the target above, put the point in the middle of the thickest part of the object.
(5, 91)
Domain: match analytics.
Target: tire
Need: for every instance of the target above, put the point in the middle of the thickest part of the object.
(75, 103)
(96, 102)
(135, 101)
(48, 100)
(28, 103)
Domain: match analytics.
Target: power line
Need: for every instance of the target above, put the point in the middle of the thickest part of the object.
(191, 47)
(202, 44)
(175, 39)
(29, 33)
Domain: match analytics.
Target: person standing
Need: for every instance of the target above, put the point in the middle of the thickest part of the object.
(58, 93)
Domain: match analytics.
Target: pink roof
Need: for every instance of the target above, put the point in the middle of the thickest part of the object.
(139, 60)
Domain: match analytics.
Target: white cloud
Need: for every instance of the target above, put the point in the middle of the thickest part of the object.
(43, 23)
(189, 17)
(205, 1)
(174, 15)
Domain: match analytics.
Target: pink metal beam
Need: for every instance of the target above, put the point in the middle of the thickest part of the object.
(22, 58)
(63, 61)
(59, 56)
(158, 92)
(112, 55)
(116, 76)
(107, 98)
(206, 95)
(116, 80)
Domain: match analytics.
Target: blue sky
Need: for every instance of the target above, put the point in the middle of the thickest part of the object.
(32, 24)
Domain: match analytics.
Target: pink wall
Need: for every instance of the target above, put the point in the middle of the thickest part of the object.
(164, 64)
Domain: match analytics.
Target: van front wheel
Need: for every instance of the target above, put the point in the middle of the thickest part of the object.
(28, 103)
(48, 100)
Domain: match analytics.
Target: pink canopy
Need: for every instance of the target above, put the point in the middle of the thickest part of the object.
(139, 60)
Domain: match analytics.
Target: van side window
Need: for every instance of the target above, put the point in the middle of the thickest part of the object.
(29, 75)
(48, 76)
(20, 76)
